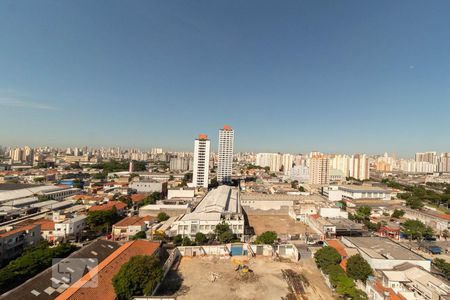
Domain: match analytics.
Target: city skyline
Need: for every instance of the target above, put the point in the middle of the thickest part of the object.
(344, 78)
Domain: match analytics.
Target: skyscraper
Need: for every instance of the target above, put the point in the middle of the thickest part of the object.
(319, 170)
(359, 167)
(201, 161)
(225, 163)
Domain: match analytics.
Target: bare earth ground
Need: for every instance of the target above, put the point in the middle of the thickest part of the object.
(281, 224)
(215, 278)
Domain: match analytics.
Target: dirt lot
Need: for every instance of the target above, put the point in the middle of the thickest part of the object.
(281, 224)
(216, 278)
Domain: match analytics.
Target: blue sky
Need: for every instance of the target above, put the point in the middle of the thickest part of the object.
(293, 76)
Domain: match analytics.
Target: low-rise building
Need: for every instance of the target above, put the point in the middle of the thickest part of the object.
(411, 280)
(130, 226)
(14, 239)
(219, 205)
(383, 253)
(149, 186)
(120, 206)
(353, 192)
(180, 193)
(85, 289)
(438, 221)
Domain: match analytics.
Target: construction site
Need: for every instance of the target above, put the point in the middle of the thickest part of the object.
(281, 224)
(243, 277)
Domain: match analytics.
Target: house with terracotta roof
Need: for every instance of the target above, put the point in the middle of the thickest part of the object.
(14, 239)
(120, 206)
(138, 199)
(128, 227)
(97, 283)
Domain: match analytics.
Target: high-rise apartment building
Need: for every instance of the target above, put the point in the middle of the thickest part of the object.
(359, 167)
(225, 162)
(271, 160)
(202, 147)
(429, 156)
(319, 168)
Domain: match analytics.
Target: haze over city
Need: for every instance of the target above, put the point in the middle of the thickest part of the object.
(302, 76)
(216, 149)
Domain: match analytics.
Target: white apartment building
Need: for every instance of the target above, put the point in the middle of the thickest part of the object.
(286, 161)
(359, 167)
(70, 227)
(271, 160)
(225, 163)
(300, 173)
(202, 147)
(319, 170)
(341, 163)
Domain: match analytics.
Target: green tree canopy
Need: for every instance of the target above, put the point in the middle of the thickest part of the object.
(398, 213)
(139, 235)
(100, 220)
(139, 276)
(162, 216)
(363, 212)
(415, 229)
(327, 256)
(358, 268)
(267, 237)
(200, 238)
(178, 240)
(224, 233)
(152, 198)
(31, 262)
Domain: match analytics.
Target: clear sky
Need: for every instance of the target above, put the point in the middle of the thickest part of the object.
(293, 76)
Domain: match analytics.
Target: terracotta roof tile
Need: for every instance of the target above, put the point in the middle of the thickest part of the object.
(106, 270)
(108, 206)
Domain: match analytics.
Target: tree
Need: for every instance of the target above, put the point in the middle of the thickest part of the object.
(126, 200)
(415, 229)
(162, 216)
(31, 262)
(221, 228)
(443, 266)
(363, 212)
(223, 232)
(445, 234)
(414, 202)
(101, 220)
(39, 179)
(226, 237)
(186, 241)
(302, 189)
(358, 295)
(178, 240)
(267, 237)
(139, 235)
(398, 213)
(152, 198)
(327, 256)
(138, 277)
(345, 285)
(294, 184)
(358, 268)
(200, 238)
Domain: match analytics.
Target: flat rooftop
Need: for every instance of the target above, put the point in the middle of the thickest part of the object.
(383, 248)
(253, 196)
(224, 199)
(363, 189)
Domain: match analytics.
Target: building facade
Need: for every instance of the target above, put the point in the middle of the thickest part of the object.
(201, 161)
(225, 163)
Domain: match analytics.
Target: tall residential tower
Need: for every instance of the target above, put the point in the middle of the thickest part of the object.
(225, 164)
(201, 161)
